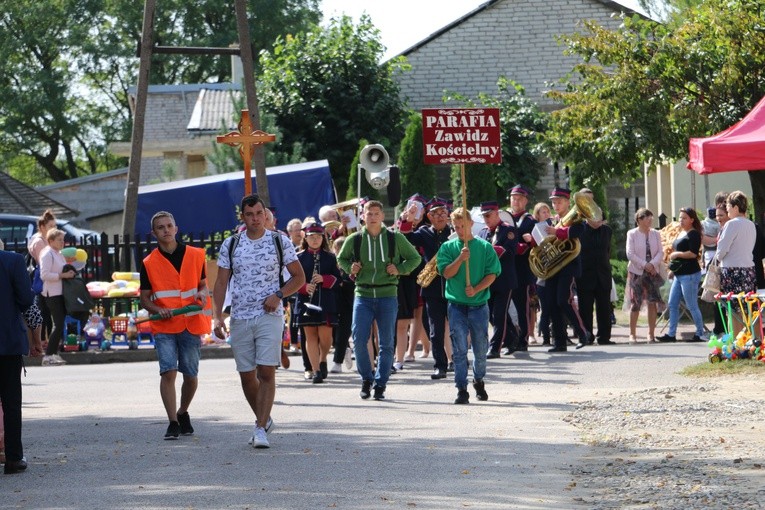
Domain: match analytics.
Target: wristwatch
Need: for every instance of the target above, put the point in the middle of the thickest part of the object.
(279, 294)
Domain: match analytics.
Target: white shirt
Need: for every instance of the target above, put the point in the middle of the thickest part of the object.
(256, 272)
(736, 243)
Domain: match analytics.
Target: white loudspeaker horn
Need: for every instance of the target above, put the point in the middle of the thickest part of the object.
(374, 158)
(374, 162)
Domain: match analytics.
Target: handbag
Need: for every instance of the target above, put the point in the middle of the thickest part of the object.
(711, 284)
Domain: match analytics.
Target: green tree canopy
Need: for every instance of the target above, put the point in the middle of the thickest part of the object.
(521, 123)
(416, 176)
(66, 66)
(328, 90)
(42, 114)
(643, 90)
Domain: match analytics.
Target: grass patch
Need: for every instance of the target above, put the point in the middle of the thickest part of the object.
(723, 368)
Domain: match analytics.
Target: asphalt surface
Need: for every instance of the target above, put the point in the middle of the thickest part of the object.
(93, 435)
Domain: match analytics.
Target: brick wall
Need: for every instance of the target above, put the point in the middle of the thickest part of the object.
(512, 38)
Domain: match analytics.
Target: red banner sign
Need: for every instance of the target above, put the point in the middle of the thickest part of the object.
(461, 135)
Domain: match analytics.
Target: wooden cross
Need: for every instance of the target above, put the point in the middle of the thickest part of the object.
(246, 138)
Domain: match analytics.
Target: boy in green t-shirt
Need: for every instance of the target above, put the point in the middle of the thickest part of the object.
(468, 311)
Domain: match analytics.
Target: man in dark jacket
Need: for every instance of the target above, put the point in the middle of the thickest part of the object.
(429, 238)
(593, 287)
(15, 297)
(502, 236)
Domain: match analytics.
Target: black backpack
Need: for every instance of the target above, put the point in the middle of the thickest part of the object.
(279, 254)
(391, 246)
(76, 296)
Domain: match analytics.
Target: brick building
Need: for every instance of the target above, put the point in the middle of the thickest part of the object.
(512, 38)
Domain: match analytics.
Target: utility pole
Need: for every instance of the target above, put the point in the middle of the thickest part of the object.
(147, 49)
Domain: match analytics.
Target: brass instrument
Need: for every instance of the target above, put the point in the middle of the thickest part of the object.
(428, 273)
(554, 254)
(342, 208)
(309, 306)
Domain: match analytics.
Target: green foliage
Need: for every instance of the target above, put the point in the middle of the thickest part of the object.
(416, 176)
(478, 184)
(578, 181)
(521, 123)
(619, 273)
(643, 90)
(366, 189)
(65, 68)
(42, 113)
(227, 158)
(327, 89)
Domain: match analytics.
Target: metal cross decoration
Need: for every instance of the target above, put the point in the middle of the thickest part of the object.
(246, 138)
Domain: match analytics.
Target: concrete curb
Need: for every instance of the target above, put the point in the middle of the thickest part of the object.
(123, 355)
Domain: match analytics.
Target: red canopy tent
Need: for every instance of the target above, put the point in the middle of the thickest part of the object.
(740, 147)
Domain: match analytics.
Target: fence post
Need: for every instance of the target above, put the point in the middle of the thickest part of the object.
(662, 220)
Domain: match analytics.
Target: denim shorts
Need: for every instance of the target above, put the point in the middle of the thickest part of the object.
(257, 341)
(178, 351)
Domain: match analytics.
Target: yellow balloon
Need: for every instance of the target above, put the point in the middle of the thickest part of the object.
(81, 255)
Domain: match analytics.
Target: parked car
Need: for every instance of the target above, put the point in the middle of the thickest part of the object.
(15, 229)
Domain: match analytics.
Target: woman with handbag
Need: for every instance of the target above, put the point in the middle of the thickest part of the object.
(644, 280)
(684, 264)
(52, 273)
(734, 248)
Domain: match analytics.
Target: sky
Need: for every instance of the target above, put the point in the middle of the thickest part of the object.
(404, 23)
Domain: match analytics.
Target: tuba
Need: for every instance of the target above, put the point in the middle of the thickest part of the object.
(554, 254)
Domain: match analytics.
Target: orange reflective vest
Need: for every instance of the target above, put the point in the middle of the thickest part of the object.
(173, 290)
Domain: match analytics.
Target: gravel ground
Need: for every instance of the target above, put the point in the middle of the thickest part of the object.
(685, 447)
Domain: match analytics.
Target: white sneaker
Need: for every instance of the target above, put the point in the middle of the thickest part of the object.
(259, 438)
(52, 360)
(348, 361)
(398, 366)
(337, 368)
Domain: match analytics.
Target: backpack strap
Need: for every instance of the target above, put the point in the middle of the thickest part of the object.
(279, 256)
(357, 247)
(231, 247)
(391, 244)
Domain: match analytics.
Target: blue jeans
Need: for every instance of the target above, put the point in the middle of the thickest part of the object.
(475, 320)
(687, 287)
(383, 311)
(178, 351)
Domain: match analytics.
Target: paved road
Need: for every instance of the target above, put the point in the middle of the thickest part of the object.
(93, 436)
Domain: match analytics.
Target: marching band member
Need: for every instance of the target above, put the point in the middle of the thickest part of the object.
(526, 288)
(322, 280)
(429, 238)
(502, 237)
(559, 288)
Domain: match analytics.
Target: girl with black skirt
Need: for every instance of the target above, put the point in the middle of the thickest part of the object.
(316, 309)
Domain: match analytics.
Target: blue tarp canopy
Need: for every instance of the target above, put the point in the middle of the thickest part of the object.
(209, 204)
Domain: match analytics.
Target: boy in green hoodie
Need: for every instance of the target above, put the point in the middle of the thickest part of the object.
(376, 262)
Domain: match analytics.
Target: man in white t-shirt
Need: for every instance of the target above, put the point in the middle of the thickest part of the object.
(252, 275)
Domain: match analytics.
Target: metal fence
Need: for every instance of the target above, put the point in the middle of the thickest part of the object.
(126, 253)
